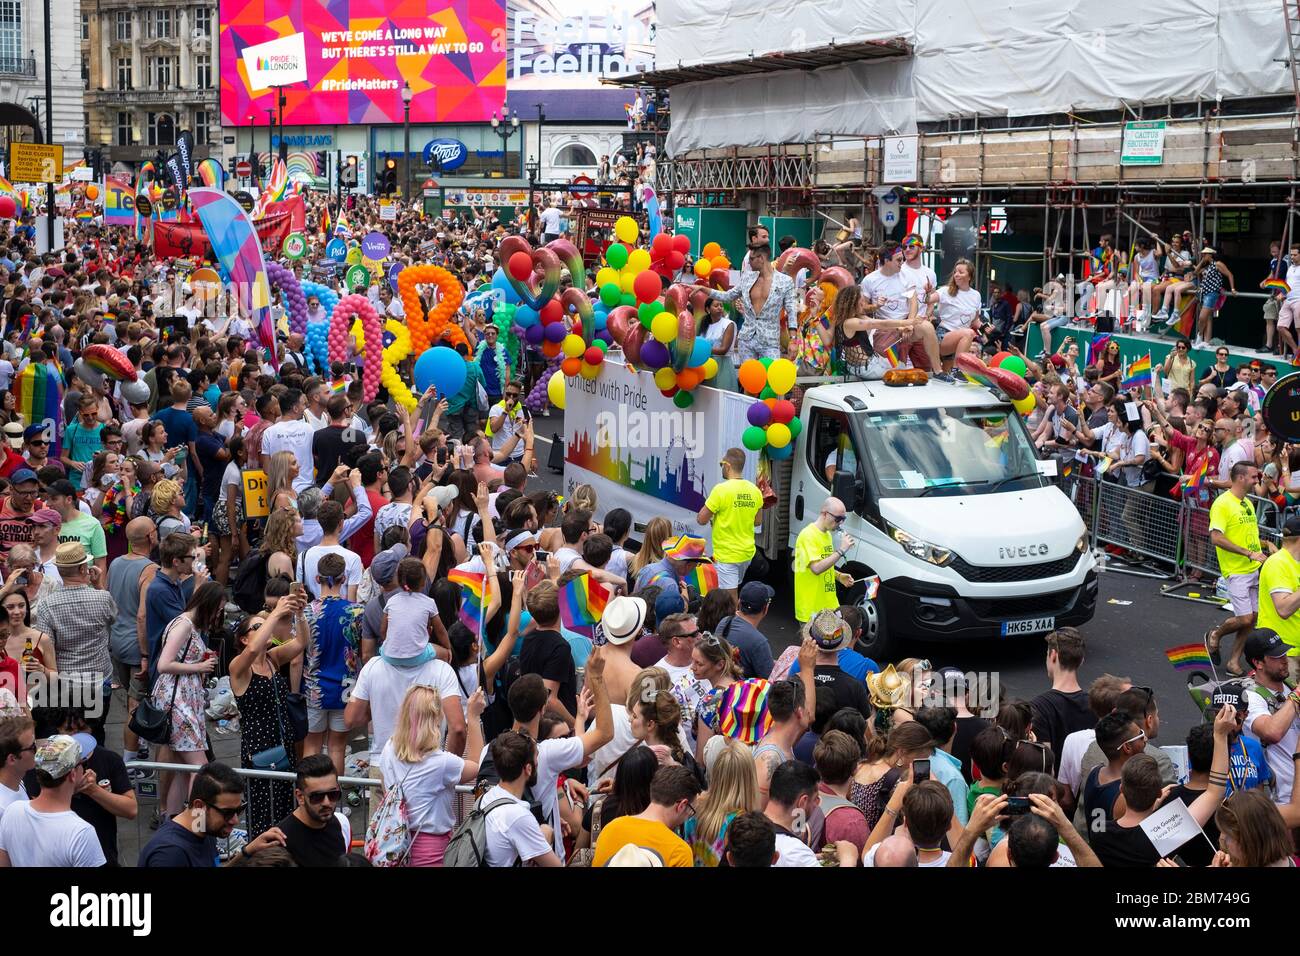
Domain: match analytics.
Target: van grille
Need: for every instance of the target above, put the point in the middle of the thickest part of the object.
(1015, 572)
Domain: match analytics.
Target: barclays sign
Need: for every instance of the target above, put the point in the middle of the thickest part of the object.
(446, 154)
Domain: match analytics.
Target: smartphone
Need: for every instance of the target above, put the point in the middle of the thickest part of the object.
(541, 556)
(920, 770)
(296, 587)
(1017, 806)
(441, 457)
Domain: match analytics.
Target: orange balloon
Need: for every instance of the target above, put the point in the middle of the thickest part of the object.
(687, 379)
(710, 250)
(720, 262)
(770, 403)
(571, 366)
(92, 192)
(551, 349)
(752, 375)
(424, 332)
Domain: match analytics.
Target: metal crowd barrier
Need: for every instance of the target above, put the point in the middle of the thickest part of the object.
(359, 816)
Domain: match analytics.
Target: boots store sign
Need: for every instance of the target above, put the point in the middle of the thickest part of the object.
(445, 154)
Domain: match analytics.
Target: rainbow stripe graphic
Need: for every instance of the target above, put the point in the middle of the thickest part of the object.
(658, 477)
(472, 601)
(582, 602)
(703, 578)
(1139, 374)
(1276, 284)
(742, 711)
(1188, 657)
(892, 357)
(39, 391)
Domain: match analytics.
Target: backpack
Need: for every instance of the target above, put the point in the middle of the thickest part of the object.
(388, 835)
(468, 845)
(488, 778)
(250, 582)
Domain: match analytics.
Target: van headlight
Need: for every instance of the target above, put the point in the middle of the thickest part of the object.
(918, 548)
(1081, 545)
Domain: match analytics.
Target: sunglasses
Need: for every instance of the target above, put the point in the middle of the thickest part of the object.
(320, 796)
(228, 813)
(38, 441)
(688, 635)
(1141, 735)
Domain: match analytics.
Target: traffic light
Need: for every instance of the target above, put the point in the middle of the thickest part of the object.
(348, 174)
(390, 177)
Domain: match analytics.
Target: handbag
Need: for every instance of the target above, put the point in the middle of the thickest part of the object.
(152, 722)
(277, 757)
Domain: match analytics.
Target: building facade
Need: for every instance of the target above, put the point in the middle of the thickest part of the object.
(151, 70)
(22, 66)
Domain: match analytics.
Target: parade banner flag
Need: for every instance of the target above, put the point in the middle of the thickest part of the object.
(181, 240)
(703, 579)
(119, 201)
(1139, 374)
(211, 173)
(294, 206)
(38, 390)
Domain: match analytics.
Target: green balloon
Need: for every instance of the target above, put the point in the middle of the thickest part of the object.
(628, 298)
(1014, 363)
(645, 320)
(655, 306)
(616, 255)
(601, 344)
(767, 363)
(795, 426)
(753, 438)
(767, 392)
(683, 399)
(644, 312)
(611, 294)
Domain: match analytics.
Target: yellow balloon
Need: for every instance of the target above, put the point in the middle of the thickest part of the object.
(572, 346)
(665, 378)
(374, 265)
(638, 261)
(778, 435)
(703, 268)
(626, 229)
(628, 280)
(664, 327)
(1025, 405)
(710, 368)
(555, 391)
(589, 371)
(780, 376)
(605, 276)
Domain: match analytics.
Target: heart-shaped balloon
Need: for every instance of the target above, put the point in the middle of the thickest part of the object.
(1015, 387)
(574, 300)
(426, 332)
(340, 323)
(546, 262)
(685, 339)
(628, 332)
(794, 259)
(568, 254)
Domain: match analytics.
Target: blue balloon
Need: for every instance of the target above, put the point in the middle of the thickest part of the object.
(526, 315)
(500, 281)
(700, 352)
(601, 319)
(778, 454)
(441, 367)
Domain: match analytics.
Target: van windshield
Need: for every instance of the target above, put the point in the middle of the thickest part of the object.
(948, 451)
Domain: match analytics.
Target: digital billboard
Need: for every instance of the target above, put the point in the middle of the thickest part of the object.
(355, 56)
(571, 44)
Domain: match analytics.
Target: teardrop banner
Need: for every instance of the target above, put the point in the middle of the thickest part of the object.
(1281, 408)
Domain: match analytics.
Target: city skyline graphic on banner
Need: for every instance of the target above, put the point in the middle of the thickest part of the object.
(681, 485)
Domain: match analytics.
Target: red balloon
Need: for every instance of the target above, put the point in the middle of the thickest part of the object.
(783, 411)
(676, 259)
(996, 361)
(8, 208)
(646, 286)
(521, 266)
(682, 244)
(593, 356)
(551, 311)
(661, 245)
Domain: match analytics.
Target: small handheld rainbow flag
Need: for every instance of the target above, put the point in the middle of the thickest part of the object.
(891, 356)
(1097, 346)
(1188, 657)
(341, 228)
(1194, 480)
(1139, 374)
(325, 221)
(472, 598)
(1277, 285)
(703, 578)
(582, 602)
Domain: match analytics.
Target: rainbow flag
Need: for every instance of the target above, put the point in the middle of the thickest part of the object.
(703, 578)
(1277, 285)
(1193, 481)
(325, 221)
(84, 215)
(892, 357)
(1188, 308)
(7, 189)
(1139, 374)
(211, 173)
(341, 228)
(582, 602)
(472, 601)
(1097, 346)
(39, 393)
(1188, 657)
(340, 385)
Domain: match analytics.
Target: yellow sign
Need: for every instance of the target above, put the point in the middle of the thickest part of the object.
(35, 163)
(255, 503)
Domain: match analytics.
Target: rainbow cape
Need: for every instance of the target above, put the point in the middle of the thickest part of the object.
(702, 579)
(1139, 374)
(39, 393)
(582, 602)
(1188, 657)
(472, 590)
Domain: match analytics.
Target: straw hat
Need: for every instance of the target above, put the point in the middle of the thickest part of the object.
(888, 688)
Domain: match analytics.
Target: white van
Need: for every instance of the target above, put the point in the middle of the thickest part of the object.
(948, 504)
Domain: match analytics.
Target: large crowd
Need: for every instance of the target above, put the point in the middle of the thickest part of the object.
(403, 610)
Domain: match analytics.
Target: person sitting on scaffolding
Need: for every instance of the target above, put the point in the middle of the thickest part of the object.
(1176, 280)
(1099, 279)
(1146, 273)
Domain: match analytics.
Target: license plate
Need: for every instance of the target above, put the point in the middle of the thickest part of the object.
(1033, 625)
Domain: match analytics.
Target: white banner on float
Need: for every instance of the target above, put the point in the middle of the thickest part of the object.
(643, 453)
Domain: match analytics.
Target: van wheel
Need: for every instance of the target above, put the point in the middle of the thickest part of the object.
(875, 641)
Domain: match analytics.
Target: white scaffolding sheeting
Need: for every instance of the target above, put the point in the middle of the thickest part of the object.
(1004, 57)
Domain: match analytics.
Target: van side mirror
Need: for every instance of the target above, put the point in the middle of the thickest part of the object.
(844, 487)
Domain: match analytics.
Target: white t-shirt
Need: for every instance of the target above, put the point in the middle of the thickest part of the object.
(1116, 442)
(1072, 751)
(717, 331)
(958, 311)
(793, 852)
(598, 767)
(430, 787)
(294, 436)
(309, 564)
(408, 613)
(232, 476)
(32, 838)
(550, 218)
(553, 758)
(507, 430)
(1293, 280)
(8, 796)
(512, 833)
(566, 556)
(384, 686)
(918, 278)
(876, 285)
(1279, 754)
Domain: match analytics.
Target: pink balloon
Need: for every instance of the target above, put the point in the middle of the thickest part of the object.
(372, 328)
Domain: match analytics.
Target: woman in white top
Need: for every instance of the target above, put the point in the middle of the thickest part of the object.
(228, 514)
(231, 409)
(155, 449)
(959, 312)
(720, 330)
(1124, 443)
(414, 759)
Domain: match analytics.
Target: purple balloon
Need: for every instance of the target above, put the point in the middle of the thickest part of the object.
(534, 334)
(654, 354)
(759, 414)
(555, 332)
(287, 283)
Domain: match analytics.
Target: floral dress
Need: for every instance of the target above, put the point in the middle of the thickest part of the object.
(189, 727)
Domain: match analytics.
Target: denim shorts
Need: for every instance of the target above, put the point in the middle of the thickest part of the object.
(1209, 299)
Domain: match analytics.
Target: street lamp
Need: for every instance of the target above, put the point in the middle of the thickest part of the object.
(534, 168)
(252, 142)
(407, 94)
(270, 147)
(280, 101)
(505, 131)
